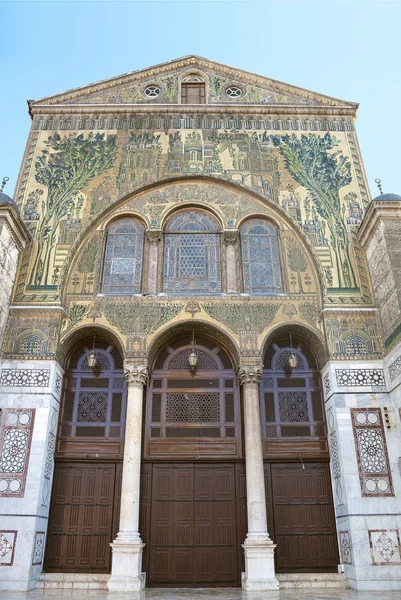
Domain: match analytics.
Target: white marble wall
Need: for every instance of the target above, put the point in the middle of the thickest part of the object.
(368, 523)
(28, 385)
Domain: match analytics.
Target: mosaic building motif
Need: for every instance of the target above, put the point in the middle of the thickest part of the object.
(385, 546)
(353, 336)
(15, 446)
(371, 448)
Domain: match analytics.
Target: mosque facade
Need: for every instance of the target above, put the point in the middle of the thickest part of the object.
(200, 327)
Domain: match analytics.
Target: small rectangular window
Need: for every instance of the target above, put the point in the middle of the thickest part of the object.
(193, 93)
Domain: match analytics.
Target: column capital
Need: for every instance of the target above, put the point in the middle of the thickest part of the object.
(250, 374)
(230, 236)
(136, 375)
(153, 236)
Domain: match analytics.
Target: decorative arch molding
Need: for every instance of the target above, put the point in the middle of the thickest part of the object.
(301, 335)
(185, 329)
(85, 334)
(138, 204)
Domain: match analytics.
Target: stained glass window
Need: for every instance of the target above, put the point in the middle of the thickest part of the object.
(123, 258)
(260, 258)
(192, 254)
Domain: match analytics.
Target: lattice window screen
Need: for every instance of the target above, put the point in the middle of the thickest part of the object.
(94, 406)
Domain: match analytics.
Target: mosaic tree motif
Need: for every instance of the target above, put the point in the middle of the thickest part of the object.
(65, 167)
(86, 264)
(323, 174)
(297, 262)
(260, 258)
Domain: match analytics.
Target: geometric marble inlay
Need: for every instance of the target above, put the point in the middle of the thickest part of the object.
(15, 444)
(395, 368)
(7, 547)
(345, 548)
(38, 548)
(25, 377)
(360, 377)
(385, 546)
(371, 450)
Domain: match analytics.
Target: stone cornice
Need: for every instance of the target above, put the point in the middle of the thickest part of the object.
(379, 210)
(248, 109)
(192, 62)
(15, 226)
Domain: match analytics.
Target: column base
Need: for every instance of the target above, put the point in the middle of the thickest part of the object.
(259, 573)
(126, 572)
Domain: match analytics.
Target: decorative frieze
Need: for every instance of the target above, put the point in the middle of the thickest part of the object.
(360, 377)
(385, 546)
(25, 377)
(15, 445)
(8, 540)
(371, 450)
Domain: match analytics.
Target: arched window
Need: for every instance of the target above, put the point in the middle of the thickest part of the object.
(123, 258)
(192, 254)
(260, 258)
(193, 90)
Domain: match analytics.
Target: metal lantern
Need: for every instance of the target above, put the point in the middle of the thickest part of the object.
(92, 356)
(91, 360)
(292, 361)
(193, 360)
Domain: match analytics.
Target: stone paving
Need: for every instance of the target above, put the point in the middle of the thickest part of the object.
(200, 594)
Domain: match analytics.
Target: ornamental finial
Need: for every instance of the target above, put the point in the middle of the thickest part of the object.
(379, 185)
(3, 183)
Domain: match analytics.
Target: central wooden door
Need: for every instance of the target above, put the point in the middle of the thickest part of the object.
(193, 526)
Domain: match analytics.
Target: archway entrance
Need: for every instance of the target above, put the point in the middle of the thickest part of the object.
(193, 512)
(298, 482)
(84, 509)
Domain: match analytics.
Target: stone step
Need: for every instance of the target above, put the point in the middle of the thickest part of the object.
(311, 580)
(73, 581)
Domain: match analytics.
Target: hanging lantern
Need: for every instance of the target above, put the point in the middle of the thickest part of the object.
(92, 356)
(292, 361)
(92, 360)
(193, 360)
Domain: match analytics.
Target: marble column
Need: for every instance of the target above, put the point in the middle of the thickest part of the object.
(258, 548)
(126, 573)
(231, 243)
(153, 237)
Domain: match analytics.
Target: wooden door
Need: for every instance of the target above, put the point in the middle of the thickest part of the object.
(193, 533)
(81, 518)
(304, 524)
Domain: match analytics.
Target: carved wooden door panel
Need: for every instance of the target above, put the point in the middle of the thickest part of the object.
(81, 518)
(193, 526)
(304, 524)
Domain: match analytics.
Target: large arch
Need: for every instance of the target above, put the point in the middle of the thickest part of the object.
(275, 212)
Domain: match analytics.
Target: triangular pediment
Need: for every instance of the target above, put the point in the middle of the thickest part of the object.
(224, 86)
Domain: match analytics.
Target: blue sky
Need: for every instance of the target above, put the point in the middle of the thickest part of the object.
(349, 50)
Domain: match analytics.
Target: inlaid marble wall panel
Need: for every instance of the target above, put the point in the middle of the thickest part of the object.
(15, 446)
(371, 449)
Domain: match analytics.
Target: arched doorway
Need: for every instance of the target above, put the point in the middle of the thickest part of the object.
(298, 483)
(84, 509)
(192, 512)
